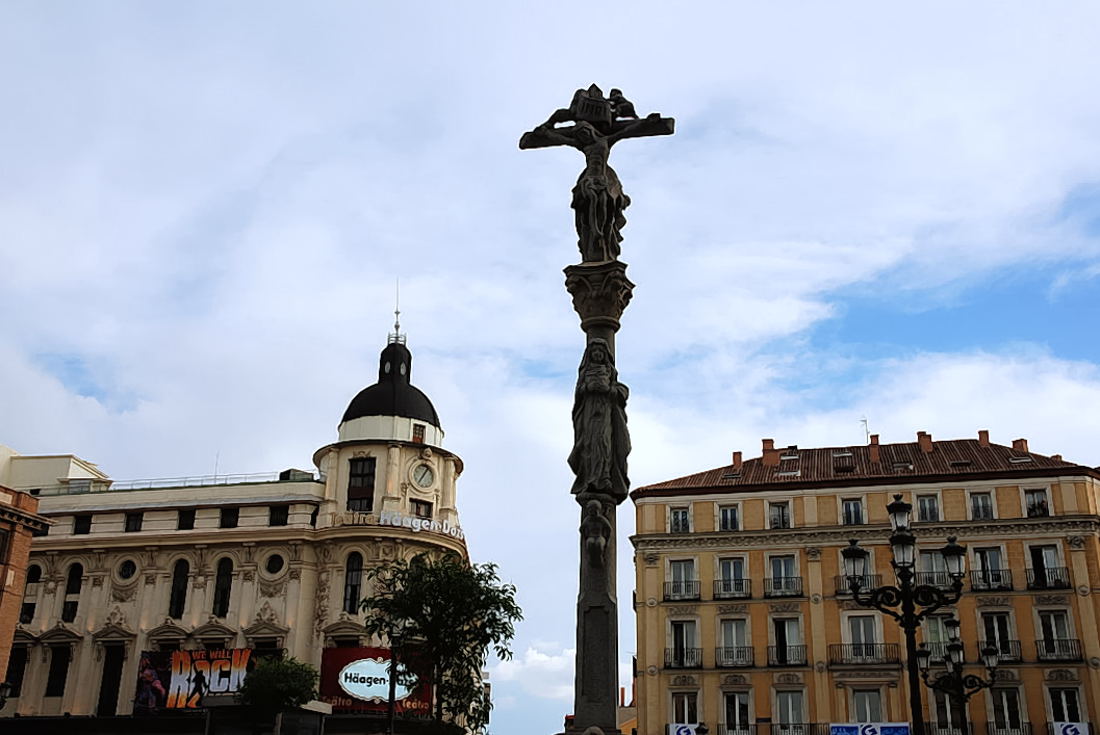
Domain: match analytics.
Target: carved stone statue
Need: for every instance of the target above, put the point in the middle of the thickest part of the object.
(601, 441)
(598, 197)
(596, 532)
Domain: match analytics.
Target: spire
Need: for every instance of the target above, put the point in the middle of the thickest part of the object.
(396, 337)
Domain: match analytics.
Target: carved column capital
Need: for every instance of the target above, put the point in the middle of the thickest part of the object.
(600, 293)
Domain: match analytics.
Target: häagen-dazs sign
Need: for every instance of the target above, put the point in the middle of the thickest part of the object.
(369, 679)
(397, 520)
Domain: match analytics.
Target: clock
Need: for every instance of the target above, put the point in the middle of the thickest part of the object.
(423, 475)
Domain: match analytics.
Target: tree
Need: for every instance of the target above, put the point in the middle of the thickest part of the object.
(277, 684)
(447, 613)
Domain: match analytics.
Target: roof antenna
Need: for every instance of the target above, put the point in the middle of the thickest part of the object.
(397, 337)
(866, 429)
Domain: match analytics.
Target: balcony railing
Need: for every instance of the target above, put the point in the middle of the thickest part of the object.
(725, 589)
(933, 579)
(783, 587)
(682, 590)
(1038, 509)
(1058, 649)
(991, 579)
(1009, 650)
(683, 658)
(806, 728)
(863, 653)
(733, 656)
(1051, 578)
(724, 729)
(786, 655)
(1052, 731)
(1021, 728)
(869, 582)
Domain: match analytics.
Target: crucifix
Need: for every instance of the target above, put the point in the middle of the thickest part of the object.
(601, 291)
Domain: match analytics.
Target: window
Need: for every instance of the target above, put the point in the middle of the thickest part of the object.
(421, 509)
(945, 714)
(679, 520)
(313, 516)
(44, 531)
(1036, 503)
(935, 636)
(278, 515)
(1006, 709)
(862, 638)
(34, 574)
(684, 708)
(133, 521)
(731, 577)
(989, 570)
(59, 670)
(73, 582)
(727, 518)
(17, 666)
(737, 713)
(418, 433)
(852, 511)
(735, 648)
(274, 564)
(684, 584)
(788, 641)
(353, 583)
(1065, 705)
(1045, 568)
(997, 632)
(185, 521)
(789, 709)
(26, 613)
(127, 569)
(178, 598)
(784, 579)
(229, 517)
(223, 585)
(928, 508)
(981, 506)
(82, 524)
(933, 569)
(867, 705)
(1054, 627)
(779, 515)
(361, 484)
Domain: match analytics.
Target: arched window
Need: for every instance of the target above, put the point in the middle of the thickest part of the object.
(353, 583)
(34, 574)
(222, 585)
(72, 592)
(178, 599)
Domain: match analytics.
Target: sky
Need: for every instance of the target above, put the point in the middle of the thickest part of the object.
(868, 210)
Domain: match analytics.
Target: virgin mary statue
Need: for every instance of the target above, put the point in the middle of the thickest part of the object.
(601, 441)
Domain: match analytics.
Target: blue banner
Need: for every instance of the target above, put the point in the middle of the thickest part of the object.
(871, 728)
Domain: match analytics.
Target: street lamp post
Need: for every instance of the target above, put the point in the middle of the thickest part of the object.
(954, 682)
(906, 602)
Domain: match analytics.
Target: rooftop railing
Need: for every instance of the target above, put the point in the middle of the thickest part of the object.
(83, 486)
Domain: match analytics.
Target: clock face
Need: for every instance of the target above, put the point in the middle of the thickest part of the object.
(423, 475)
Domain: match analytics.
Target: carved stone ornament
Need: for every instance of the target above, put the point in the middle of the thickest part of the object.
(651, 558)
(815, 599)
(199, 582)
(1083, 590)
(249, 575)
(651, 670)
(651, 602)
(813, 553)
(295, 550)
(819, 667)
(684, 680)
(784, 607)
(272, 588)
(600, 293)
(1051, 600)
(295, 573)
(1076, 542)
(734, 609)
(992, 602)
(1005, 675)
(97, 582)
(601, 440)
(1094, 662)
(682, 609)
(123, 594)
(788, 678)
(1061, 675)
(150, 579)
(320, 610)
(116, 617)
(734, 680)
(267, 614)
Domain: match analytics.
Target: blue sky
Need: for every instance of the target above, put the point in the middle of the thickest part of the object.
(867, 210)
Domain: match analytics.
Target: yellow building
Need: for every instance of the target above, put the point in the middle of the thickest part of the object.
(744, 621)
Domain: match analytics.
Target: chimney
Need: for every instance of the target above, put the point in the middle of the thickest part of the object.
(1056, 457)
(983, 438)
(1020, 445)
(771, 454)
(737, 460)
(924, 439)
(874, 449)
(622, 696)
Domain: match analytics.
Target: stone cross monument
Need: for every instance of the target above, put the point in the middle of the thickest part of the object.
(600, 290)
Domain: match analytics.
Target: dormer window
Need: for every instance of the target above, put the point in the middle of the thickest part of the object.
(418, 433)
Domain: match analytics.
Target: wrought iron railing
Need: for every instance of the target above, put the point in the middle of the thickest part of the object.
(787, 655)
(733, 656)
(1009, 651)
(683, 658)
(725, 589)
(1051, 578)
(783, 587)
(863, 653)
(991, 579)
(682, 590)
(1058, 649)
(869, 582)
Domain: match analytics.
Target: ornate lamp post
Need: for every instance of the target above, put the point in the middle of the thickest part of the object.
(906, 602)
(5, 690)
(954, 682)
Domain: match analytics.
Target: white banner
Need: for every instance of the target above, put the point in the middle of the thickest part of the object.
(682, 729)
(1071, 728)
(873, 728)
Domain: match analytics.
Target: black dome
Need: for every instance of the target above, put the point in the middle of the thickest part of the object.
(393, 394)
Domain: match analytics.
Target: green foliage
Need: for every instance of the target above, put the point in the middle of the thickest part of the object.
(449, 613)
(277, 684)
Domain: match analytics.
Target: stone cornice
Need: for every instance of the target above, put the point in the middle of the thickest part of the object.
(839, 535)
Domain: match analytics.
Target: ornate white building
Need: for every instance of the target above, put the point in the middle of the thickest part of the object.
(272, 562)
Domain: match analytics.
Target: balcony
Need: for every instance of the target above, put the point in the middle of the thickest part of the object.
(1058, 649)
(941, 580)
(1020, 728)
(786, 655)
(863, 653)
(783, 587)
(682, 590)
(733, 657)
(724, 729)
(1009, 650)
(726, 589)
(870, 581)
(1051, 578)
(984, 580)
(683, 658)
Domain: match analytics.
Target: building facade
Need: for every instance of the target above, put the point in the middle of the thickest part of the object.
(19, 520)
(268, 563)
(744, 619)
